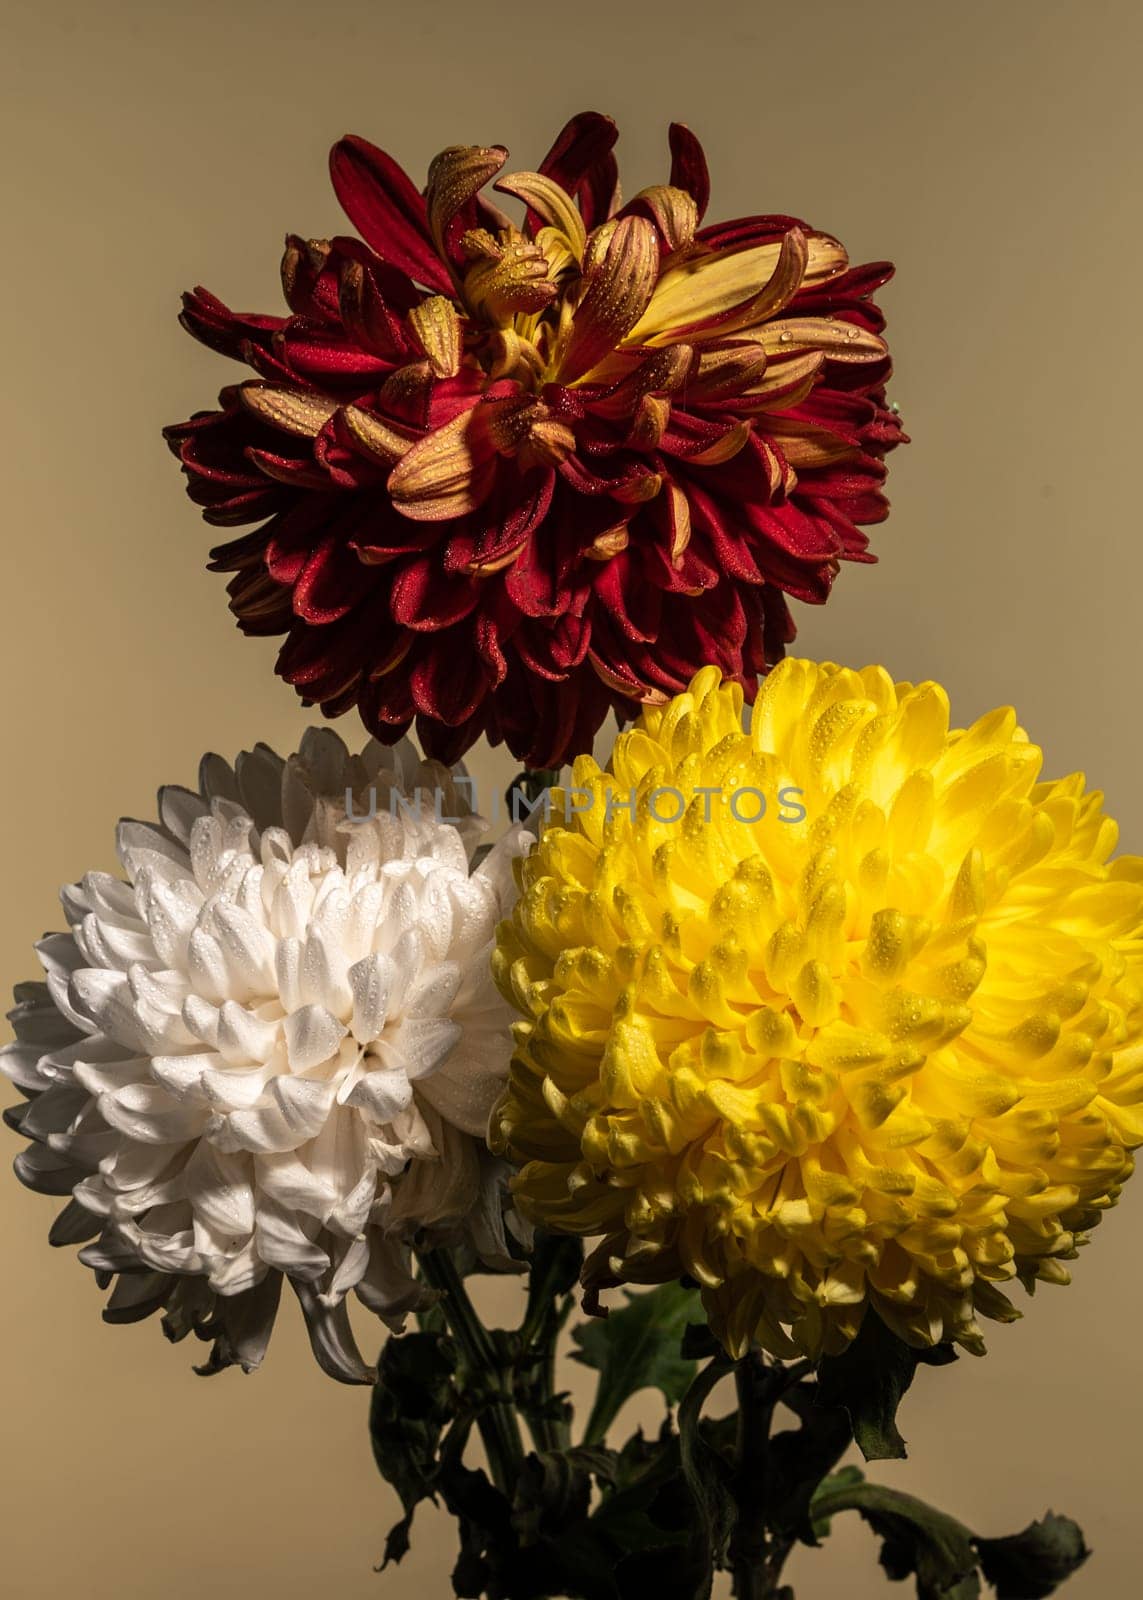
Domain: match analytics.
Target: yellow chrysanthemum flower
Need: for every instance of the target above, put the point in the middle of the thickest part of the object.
(880, 1046)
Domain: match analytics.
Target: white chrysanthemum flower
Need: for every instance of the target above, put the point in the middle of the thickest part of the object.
(272, 1051)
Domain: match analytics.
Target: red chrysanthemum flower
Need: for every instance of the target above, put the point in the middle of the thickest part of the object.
(508, 476)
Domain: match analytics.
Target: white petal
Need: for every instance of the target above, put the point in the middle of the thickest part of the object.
(389, 1287)
(238, 1275)
(179, 810)
(381, 1095)
(249, 951)
(288, 971)
(259, 774)
(497, 867)
(221, 1190)
(207, 966)
(371, 981)
(419, 1044)
(110, 898)
(289, 1181)
(464, 1097)
(106, 945)
(216, 777)
(138, 842)
(312, 1036)
(348, 1271)
(324, 967)
(295, 1111)
(170, 909)
(243, 1038)
(432, 994)
(147, 1113)
(282, 1242)
(202, 1019)
(231, 1089)
(104, 1076)
(181, 1076)
(331, 1338)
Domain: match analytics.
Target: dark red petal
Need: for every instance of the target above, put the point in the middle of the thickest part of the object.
(380, 200)
(483, 538)
(348, 468)
(321, 661)
(744, 232)
(623, 477)
(368, 312)
(426, 599)
(212, 323)
(309, 278)
(633, 606)
(688, 166)
(448, 685)
(267, 364)
(724, 537)
(849, 287)
(688, 574)
(331, 583)
(448, 397)
(386, 703)
(490, 649)
(810, 544)
(581, 162)
(399, 290)
(570, 637)
(843, 517)
(288, 470)
(289, 538)
(330, 357)
(688, 435)
(380, 533)
(261, 606)
(232, 512)
(580, 143)
(545, 723)
(447, 744)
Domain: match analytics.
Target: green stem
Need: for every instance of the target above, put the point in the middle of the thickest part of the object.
(876, 1497)
(603, 1413)
(497, 1422)
(539, 1334)
(757, 1557)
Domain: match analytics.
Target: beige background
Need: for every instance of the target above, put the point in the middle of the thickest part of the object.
(993, 152)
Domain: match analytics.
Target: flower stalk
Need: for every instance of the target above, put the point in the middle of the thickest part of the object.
(758, 1552)
(483, 1367)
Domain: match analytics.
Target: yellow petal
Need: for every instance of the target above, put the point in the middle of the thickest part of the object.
(552, 202)
(293, 410)
(617, 288)
(673, 211)
(436, 328)
(700, 291)
(455, 176)
(449, 472)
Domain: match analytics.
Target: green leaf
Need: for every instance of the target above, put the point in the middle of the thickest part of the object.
(801, 1457)
(1032, 1564)
(412, 1401)
(649, 1523)
(553, 1273)
(708, 1474)
(553, 1490)
(699, 1344)
(637, 1347)
(916, 1539)
(869, 1381)
(844, 1478)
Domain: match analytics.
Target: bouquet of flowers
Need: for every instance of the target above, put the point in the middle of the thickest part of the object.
(782, 1047)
